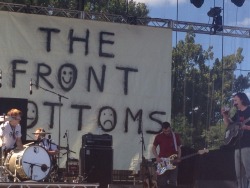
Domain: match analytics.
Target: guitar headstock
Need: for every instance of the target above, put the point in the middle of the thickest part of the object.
(203, 151)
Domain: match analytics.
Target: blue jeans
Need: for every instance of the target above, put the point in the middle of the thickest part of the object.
(242, 167)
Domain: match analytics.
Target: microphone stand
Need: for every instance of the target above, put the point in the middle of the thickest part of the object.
(67, 163)
(240, 157)
(59, 118)
(145, 163)
(31, 167)
(68, 150)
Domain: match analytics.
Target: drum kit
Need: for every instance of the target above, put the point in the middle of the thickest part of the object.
(32, 163)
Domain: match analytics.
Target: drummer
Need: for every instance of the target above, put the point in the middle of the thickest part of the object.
(10, 132)
(46, 143)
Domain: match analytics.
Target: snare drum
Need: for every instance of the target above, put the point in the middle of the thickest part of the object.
(31, 163)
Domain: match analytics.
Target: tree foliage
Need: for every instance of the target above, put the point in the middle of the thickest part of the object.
(201, 86)
(119, 7)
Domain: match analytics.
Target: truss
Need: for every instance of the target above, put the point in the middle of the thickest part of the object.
(179, 26)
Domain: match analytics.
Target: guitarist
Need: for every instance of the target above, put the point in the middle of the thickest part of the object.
(169, 143)
(242, 144)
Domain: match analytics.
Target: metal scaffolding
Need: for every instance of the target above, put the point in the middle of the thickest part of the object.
(180, 26)
(47, 185)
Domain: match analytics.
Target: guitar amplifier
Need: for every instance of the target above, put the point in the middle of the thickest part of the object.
(104, 140)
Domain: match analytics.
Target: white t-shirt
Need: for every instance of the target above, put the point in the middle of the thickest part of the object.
(9, 134)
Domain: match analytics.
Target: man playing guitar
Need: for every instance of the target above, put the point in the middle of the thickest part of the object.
(242, 142)
(169, 144)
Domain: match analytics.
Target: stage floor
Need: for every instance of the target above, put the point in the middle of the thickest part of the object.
(48, 185)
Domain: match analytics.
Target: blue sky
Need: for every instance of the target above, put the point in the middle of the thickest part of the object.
(233, 16)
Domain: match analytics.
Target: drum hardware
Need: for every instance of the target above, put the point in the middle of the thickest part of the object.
(73, 167)
(41, 133)
(8, 176)
(23, 163)
(28, 144)
(3, 174)
(43, 167)
(66, 135)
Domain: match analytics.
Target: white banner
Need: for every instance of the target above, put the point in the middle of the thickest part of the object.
(112, 78)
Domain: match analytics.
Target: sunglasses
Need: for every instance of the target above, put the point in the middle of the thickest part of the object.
(16, 118)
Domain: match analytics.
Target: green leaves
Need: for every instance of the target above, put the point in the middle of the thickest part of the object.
(201, 85)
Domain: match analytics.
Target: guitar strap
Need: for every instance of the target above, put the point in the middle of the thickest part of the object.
(174, 139)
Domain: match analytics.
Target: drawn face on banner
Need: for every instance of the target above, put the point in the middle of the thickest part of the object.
(107, 119)
(67, 76)
(32, 114)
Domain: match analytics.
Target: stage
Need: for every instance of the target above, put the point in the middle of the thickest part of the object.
(48, 185)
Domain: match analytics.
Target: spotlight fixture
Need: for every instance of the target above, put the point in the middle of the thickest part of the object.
(217, 19)
(238, 3)
(214, 12)
(197, 3)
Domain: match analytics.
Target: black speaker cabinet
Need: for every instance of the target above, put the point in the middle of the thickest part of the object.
(216, 165)
(21, 104)
(104, 140)
(215, 184)
(96, 165)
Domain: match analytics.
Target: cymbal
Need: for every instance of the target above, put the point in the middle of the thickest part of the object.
(42, 133)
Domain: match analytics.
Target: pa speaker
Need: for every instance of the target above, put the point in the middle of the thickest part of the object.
(20, 104)
(96, 165)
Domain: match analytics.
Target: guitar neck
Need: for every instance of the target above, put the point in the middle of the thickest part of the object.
(188, 156)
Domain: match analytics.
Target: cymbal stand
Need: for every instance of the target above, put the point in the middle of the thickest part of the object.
(3, 170)
(3, 176)
(59, 118)
(13, 175)
(2, 141)
(67, 161)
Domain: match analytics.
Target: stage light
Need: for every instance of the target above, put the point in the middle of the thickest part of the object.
(214, 12)
(217, 24)
(197, 3)
(238, 3)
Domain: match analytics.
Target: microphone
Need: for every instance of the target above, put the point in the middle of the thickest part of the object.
(0, 77)
(50, 140)
(65, 135)
(30, 86)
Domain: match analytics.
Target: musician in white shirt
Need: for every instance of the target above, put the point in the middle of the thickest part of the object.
(10, 131)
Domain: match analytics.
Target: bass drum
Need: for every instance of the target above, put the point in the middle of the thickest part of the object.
(31, 163)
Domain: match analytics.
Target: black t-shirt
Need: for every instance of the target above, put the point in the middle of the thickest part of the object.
(241, 116)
